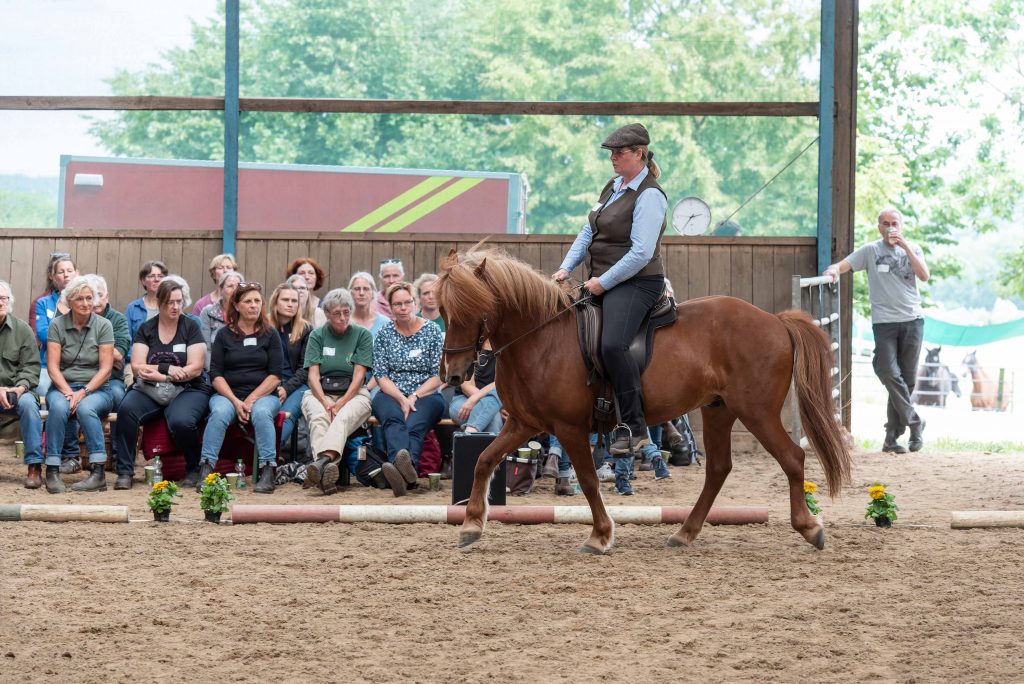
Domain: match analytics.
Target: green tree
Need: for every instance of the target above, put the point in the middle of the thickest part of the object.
(19, 209)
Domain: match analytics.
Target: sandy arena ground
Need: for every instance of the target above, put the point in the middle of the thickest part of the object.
(331, 602)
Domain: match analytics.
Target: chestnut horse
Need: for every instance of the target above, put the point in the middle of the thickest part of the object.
(722, 354)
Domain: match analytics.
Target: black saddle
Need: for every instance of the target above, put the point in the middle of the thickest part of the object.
(588, 323)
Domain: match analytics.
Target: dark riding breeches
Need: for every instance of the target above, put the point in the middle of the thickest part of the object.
(625, 306)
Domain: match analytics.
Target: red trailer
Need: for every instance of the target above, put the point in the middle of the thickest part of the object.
(109, 192)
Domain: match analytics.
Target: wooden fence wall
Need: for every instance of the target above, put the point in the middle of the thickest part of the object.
(758, 270)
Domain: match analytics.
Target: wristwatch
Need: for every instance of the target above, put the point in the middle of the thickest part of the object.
(87, 390)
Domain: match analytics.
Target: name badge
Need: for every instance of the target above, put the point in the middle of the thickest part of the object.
(249, 342)
(883, 268)
(328, 351)
(415, 353)
(179, 348)
(49, 313)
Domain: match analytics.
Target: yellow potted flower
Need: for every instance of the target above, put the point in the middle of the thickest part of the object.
(883, 505)
(161, 498)
(214, 497)
(812, 504)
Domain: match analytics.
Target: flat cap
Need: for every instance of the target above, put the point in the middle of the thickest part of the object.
(627, 136)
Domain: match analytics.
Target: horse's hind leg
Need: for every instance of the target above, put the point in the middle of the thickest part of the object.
(602, 534)
(718, 422)
(512, 434)
(769, 431)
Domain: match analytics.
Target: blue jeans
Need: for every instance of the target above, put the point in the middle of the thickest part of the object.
(293, 406)
(400, 433)
(31, 426)
(90, 414)
(222, 414)
(484, 417)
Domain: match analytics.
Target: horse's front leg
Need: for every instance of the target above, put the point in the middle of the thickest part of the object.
(577, 443)
(512, 434)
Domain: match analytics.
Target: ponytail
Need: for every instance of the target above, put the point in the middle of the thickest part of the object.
(652, 166)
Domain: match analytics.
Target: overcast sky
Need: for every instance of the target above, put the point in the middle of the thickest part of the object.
(67, 47)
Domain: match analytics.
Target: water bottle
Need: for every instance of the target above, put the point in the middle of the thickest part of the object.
(240, 469)
(158, 470)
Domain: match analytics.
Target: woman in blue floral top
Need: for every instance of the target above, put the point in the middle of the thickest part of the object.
(406, 359)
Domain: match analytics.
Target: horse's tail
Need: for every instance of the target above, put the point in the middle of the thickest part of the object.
(812, 374)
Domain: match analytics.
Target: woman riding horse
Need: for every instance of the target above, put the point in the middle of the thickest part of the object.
(624, 269)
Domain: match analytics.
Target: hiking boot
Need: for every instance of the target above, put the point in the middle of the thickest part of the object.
(265, 485)
(890, 445)
(623, 445)
(54, 484)
(605, 473)
(96, 482)
(403, 462)
(661, 470)
(315, 471)
(205, 468)
(72, 465)
(395, 480)
(191, 479)
(34, 479)
(125, 482)
(330, 475)
(550, 466)
(916, 436)
(564, 486)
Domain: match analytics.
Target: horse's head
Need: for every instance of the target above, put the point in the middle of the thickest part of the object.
(467, 304)
(970, 363)
(932, 357)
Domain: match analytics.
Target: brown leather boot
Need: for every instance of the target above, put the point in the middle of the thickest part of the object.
(34, 479)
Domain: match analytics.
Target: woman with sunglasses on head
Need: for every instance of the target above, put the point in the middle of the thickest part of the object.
(286, 317)
(391, 272)
(146, 307)
(219, 265)
(310, 313)
(245, 369)
(167, 360)
(80, 356)
(406, 358)
(364, 293)
(47, 306)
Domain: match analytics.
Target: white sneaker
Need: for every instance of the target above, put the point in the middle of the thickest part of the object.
(605, 473)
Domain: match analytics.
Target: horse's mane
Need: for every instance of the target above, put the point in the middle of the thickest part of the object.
(473, 281)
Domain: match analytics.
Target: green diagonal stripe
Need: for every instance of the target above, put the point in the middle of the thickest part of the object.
(430, 204)
(397, 204)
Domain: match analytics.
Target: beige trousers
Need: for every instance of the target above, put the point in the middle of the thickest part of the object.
(325, 433)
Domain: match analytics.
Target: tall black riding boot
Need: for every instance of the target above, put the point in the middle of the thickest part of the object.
(96, 482)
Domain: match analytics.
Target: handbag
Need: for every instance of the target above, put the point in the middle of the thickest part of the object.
(162, 393)
(337, 384)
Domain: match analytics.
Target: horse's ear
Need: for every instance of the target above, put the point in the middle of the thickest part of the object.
(479, 270)
(450, 260)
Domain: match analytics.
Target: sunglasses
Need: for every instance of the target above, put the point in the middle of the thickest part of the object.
(250, 285)
(60, 255)
(388, 262)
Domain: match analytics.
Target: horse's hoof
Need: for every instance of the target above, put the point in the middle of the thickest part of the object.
(819, 539)
(468, 539)
(674, 542)
(593, 550)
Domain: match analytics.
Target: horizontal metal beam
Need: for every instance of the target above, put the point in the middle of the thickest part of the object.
(339, 106)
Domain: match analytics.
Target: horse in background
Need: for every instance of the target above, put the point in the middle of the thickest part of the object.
(935, 381)
(722, 354)
(987, 393)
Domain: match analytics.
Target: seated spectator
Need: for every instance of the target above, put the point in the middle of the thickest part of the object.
(406, 358)
(19, 372)
(214, 316)
(122, 339)
(338, 357)
(47, 307)
(145, 307)
(219, 265)
(169, 350)
(245, 369)
(364, 294)
(312, 273)
(475, 406)
(312, 314)
(186, 295)
(80, 356)
(391, 272)
(429, 310)
(287, 319)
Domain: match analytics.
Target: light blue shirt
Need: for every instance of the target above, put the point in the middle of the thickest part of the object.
(648, 215)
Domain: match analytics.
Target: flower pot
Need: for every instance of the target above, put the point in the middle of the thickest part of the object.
(212, 516)
(162, 516)
(883, 521)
